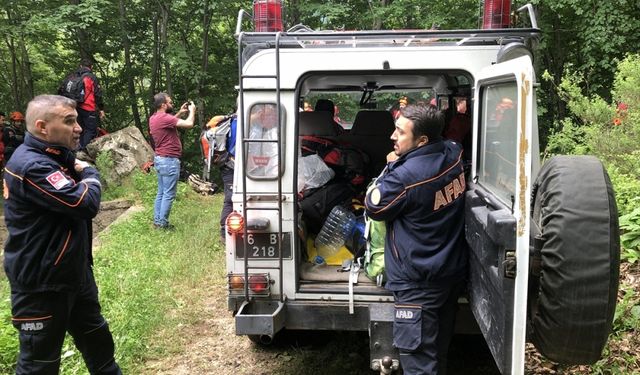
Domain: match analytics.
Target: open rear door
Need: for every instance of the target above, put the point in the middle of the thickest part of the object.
(497, 208)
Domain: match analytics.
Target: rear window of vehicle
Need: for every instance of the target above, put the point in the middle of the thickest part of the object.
(348, 104)
(262, 149)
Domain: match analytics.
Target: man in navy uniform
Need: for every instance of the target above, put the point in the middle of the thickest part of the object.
(50, 198)
(420, 197)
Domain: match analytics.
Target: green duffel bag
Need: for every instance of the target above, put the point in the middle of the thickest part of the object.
(375, 233)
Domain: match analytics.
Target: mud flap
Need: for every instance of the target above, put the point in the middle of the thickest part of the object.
(260, 318)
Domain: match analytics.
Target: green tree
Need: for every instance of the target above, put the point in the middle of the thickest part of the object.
(587, 37)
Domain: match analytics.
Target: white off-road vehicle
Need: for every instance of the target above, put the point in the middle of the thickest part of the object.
(543, 240)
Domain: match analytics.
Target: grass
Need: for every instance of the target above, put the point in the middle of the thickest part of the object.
(142, 276)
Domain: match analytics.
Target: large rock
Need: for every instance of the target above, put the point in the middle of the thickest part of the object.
(128, 150)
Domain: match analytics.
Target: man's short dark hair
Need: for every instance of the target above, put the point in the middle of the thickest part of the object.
(86, 62)
(41, 108)
(427, 120)
(159, 99)
(325, 105)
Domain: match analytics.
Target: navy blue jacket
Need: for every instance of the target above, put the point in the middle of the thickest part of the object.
(48, 209)
(421, 199)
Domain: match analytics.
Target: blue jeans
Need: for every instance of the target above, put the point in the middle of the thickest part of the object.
(168, 169)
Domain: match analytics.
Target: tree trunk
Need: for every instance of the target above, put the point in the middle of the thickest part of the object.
(82, 38)
(15, 80)
(15, 86)
(155, 61)
(26, 68)
(133, 98)
(206, 25)
(164, 35)
(294, 12)
(377, 21)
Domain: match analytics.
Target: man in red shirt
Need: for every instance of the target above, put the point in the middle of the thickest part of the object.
(92, 107)
(163, 127)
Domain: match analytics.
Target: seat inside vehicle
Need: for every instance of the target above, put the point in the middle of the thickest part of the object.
(317, 123)
(371, 133)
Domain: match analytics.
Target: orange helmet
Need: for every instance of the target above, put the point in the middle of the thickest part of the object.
(16, 116)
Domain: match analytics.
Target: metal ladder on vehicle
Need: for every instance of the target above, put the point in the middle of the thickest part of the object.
(246, 198)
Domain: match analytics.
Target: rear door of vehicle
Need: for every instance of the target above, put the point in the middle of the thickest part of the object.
(497, 210)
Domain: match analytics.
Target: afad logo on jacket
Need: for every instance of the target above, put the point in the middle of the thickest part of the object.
(449, 193)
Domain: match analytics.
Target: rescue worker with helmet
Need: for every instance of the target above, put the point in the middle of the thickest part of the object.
(13, 135)
(420, 196)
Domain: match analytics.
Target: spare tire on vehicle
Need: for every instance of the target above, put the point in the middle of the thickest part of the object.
(575, 219)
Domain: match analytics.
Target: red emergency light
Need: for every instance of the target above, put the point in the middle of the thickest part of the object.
(267, 15)
(497, 14)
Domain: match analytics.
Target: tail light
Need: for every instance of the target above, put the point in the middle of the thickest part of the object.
(267, 15)
(235, 223)
(236, 282)
(259, 284)
(497, 14)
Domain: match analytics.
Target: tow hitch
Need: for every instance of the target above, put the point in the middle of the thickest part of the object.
(384, 357)
(385, 365)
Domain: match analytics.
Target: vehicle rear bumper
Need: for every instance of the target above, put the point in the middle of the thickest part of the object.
(267, 317)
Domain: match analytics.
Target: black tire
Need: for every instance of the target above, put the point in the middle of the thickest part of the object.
(574, 212)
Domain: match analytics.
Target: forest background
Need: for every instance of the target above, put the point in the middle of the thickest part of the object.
(587, 64)
(187, 48)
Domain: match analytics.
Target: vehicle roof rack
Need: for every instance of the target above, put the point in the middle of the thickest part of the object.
(301, 36)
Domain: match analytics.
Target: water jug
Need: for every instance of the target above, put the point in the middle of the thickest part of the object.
(336, 229)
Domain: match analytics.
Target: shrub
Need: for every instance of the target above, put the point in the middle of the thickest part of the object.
(610, 131)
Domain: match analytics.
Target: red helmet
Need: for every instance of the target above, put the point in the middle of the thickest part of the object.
(16, 116)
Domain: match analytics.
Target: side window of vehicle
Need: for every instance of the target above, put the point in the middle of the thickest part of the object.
(262, 154)
(498, 140)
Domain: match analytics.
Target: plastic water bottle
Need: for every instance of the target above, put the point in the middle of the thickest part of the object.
(319, 261)
(336, 229)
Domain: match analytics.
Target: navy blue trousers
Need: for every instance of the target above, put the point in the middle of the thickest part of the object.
(42, 320)
(423, 327)
(89, 123)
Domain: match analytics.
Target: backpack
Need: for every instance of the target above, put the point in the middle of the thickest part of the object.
(214, 142)
(73, 87)
(349, 163)
(375, 233)
(317, 203)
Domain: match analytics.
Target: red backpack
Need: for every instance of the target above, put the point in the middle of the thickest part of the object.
(349, 162)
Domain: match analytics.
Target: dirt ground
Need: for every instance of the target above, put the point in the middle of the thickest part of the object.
(212, 347)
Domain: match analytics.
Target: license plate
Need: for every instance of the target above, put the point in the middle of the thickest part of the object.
(264, 246)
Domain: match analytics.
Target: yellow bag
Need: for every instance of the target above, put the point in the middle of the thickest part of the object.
(334, 260)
